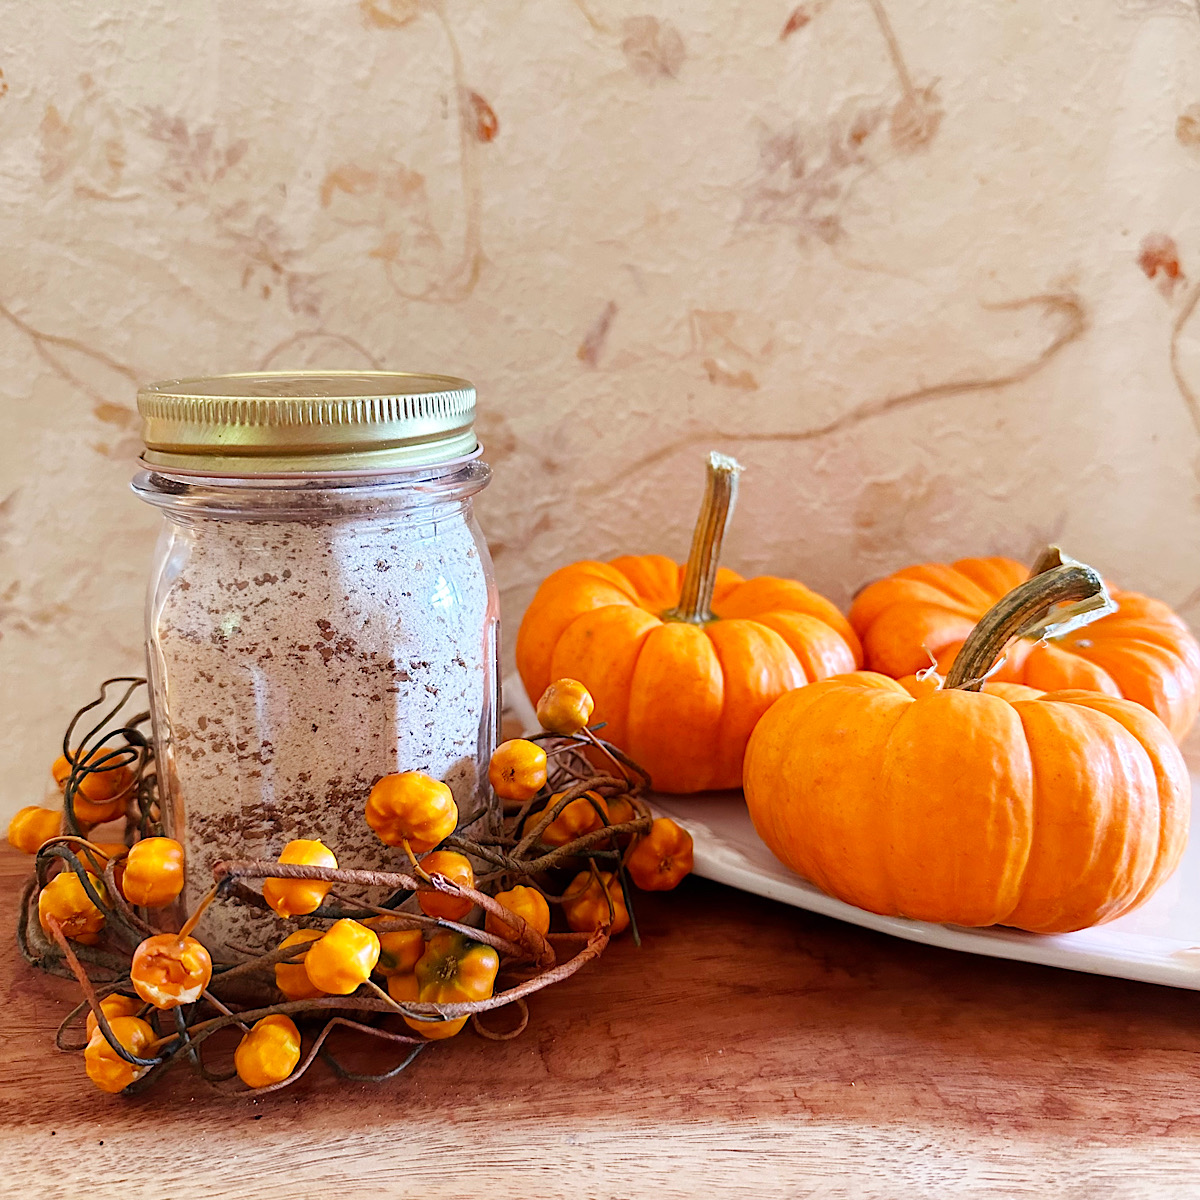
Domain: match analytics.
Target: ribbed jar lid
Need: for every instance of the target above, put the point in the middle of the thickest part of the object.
(281, 422)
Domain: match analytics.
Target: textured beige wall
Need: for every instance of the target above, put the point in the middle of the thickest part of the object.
(927, 268)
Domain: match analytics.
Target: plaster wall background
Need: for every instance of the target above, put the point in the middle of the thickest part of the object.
(928, 269)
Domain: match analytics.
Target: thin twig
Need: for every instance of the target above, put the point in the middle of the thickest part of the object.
(89, 994)
(531, 960)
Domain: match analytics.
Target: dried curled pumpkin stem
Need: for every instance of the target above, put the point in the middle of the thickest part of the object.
(700, 574)
(1063, 597)
(1049, 558)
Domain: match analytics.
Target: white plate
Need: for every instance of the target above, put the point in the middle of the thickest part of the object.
(1158, 943)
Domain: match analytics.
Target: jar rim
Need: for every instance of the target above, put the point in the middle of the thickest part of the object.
(311, 495)
(219, 471)
(306, 422)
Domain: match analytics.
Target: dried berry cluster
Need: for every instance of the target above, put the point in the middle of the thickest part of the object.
(409, 956)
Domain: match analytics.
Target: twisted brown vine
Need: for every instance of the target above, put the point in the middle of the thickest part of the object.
(241, 992)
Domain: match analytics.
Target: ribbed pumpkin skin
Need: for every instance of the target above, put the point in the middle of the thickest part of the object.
(1143, 652)
(680, 699)
(1048, 814)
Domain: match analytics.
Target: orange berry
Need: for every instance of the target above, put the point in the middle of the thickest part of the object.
(586, 903)
(620, 810)
(114, 1006)
(64, 899)
(399, 949)
(101, 794)
(105, 1068)
(517, 770)
(34, 825)
(457, 868)
(90, 815)
(565, 707)
(405, 987)
(168, 970)
(526, 902)
(452, 969)
(343, 958)
(97, 855)
(291, 978)
(269, 1052)
(298, 897)
(658, 861)
(153, 872)
(576, 819)
(412, 807)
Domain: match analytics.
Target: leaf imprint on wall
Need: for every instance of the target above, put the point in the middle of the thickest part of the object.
(482, 122)
(654, 49)
(1187, 127)
(1062, 312)
(389, 14)
(1158, 256)
(438, 281)
(803, 15)
(597, 334)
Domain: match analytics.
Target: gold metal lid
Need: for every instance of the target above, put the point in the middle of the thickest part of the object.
(281, 422)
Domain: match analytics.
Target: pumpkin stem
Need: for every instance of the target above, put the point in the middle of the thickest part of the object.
(700, 575)
(1052, 556)
(1050, 603)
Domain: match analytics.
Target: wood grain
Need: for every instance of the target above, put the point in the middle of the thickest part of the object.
(747, 1049)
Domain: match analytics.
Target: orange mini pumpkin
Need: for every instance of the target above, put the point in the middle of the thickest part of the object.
(682, 661)
(299, 897)
(113, 1006)
(565, 707)
(659, 860)
(290, 977)
(526, 902)
(1046, 812)
(457, 868)
(590, 903)
(452, 970)
(153, 874)
(411, 807)
(1143, 651)
(517, 770)
(580, 817)
(269, 1053)
(65, 900)
(169, 970)
(32, 826)
(105, 1067)
(101, 793)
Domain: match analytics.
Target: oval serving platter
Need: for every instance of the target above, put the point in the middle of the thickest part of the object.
(1157, 943)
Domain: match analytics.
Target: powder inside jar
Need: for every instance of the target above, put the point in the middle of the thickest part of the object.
(296, 662)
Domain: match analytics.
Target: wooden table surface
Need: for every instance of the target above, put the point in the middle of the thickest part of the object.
(747, 1049)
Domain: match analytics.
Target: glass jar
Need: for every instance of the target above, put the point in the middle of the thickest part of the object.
(321, 613)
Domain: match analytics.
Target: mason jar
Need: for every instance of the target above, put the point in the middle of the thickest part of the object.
(321, 613)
